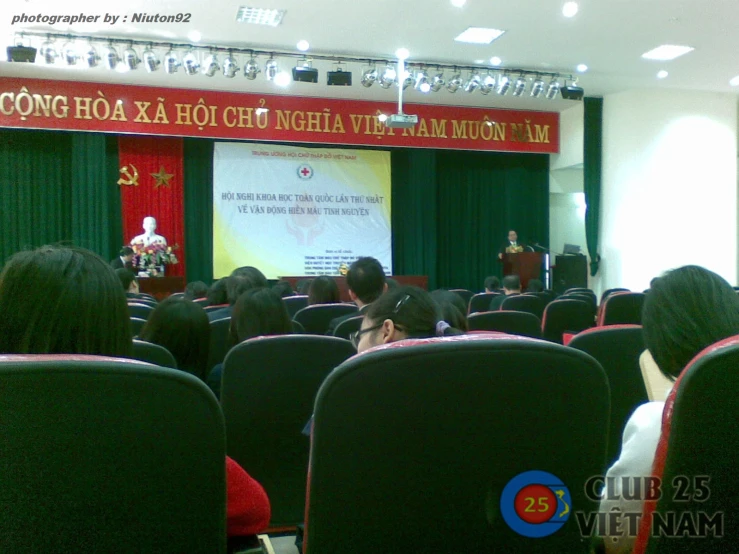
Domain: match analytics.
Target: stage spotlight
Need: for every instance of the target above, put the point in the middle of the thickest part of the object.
(454, 83)
(230, 67)
(270, 69)
(407, 79)
(388, 77)
(553, 89)
(21, 54)
(473, 83)
(70, 53)
(338, 78)
(131, 58)
(211, 66)
(538, 87)
(504, 83)
(304, 73)
(369, 77)
(251, 69)
(111, 57)
(151, 62)
(91, 56)
(48, 52)
(171, 63)
(422, 81)
(488, 84)
(519, 87)
(190, 63)
(437, 83)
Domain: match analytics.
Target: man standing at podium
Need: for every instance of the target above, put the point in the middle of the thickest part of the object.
(511, 246)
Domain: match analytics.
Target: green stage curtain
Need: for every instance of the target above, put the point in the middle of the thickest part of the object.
(198, 169)
(58, 187)
(96, 201)
(593, 155)
(481, 196)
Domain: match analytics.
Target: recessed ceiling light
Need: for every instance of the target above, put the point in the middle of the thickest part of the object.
(194, 36)
(479, 35)
(495, 60)
(667, 52)
(570, 9)
(735, 81)
(479, 62)
(582, 68)
(303, 45)
(260, 16)
(282, 79)
(662, 74)
(402, 53)
(459, 3)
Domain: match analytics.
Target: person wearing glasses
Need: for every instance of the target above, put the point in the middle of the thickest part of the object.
(402, 313)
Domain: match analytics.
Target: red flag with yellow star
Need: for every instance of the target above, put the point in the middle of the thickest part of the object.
(151, 180)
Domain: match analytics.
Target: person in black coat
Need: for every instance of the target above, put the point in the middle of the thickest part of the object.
(124, 259)
(511, 287)
(366, 282)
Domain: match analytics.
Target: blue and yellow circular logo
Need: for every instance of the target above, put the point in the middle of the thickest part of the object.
(535, 504)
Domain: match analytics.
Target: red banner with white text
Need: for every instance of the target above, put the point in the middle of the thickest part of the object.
(151, 182)
(112, 108)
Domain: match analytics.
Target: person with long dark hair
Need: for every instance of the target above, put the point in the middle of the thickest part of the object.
(323, 290)
(182, 327)
(453, 309)
(686, 310)
(62, 300)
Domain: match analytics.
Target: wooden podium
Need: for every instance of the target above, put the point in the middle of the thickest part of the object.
(527, 265)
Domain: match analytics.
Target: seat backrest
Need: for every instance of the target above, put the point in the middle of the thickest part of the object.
(268, 388)
(202, 302)
(525, 303)
(514, 323)
(464, 294)
(565, 315)
(153, 354)
(220, 341)
(137, 309)
(298, 329)
(345, 329)
(136, 325)
(622, 308)
(414, 443)
(315, 319)
(609, 292)
(295, 303)
(589, 298)
(104, 455)
(481, 302)
(215, 307)
(697, 453)
(617, 348)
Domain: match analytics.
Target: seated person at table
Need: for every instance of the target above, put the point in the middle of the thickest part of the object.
(323, 290)
(181, 327)
(686, 310)
(366, 282)
(89, 316)
(258, 312)
(511, 287)
(124, 259)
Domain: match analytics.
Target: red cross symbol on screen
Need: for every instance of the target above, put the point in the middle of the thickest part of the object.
(305, 171)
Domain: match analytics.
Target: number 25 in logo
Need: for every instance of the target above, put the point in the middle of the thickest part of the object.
(535, 504)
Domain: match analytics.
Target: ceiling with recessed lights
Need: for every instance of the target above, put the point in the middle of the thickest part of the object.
(609, 37)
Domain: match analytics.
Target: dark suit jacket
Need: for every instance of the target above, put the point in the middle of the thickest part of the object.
(334, 323)
(117, 263)
(497, 302)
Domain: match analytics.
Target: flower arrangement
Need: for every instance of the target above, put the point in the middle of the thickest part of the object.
(152, 258)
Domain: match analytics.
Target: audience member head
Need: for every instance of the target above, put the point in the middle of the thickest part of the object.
(283, 288)
(302, 286)
(366, 280)
(535, 285)
(181, 327)
(492, 284)
(511, 284)
(391, 283)
(323, 290)
(196, 290)
(128, 280)
(237, 285)
(686, 310)
(126, 253)
(255, 276)
(402, 313)
(259, 312)
(62, 300)
(452, 307)
(218, 293)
